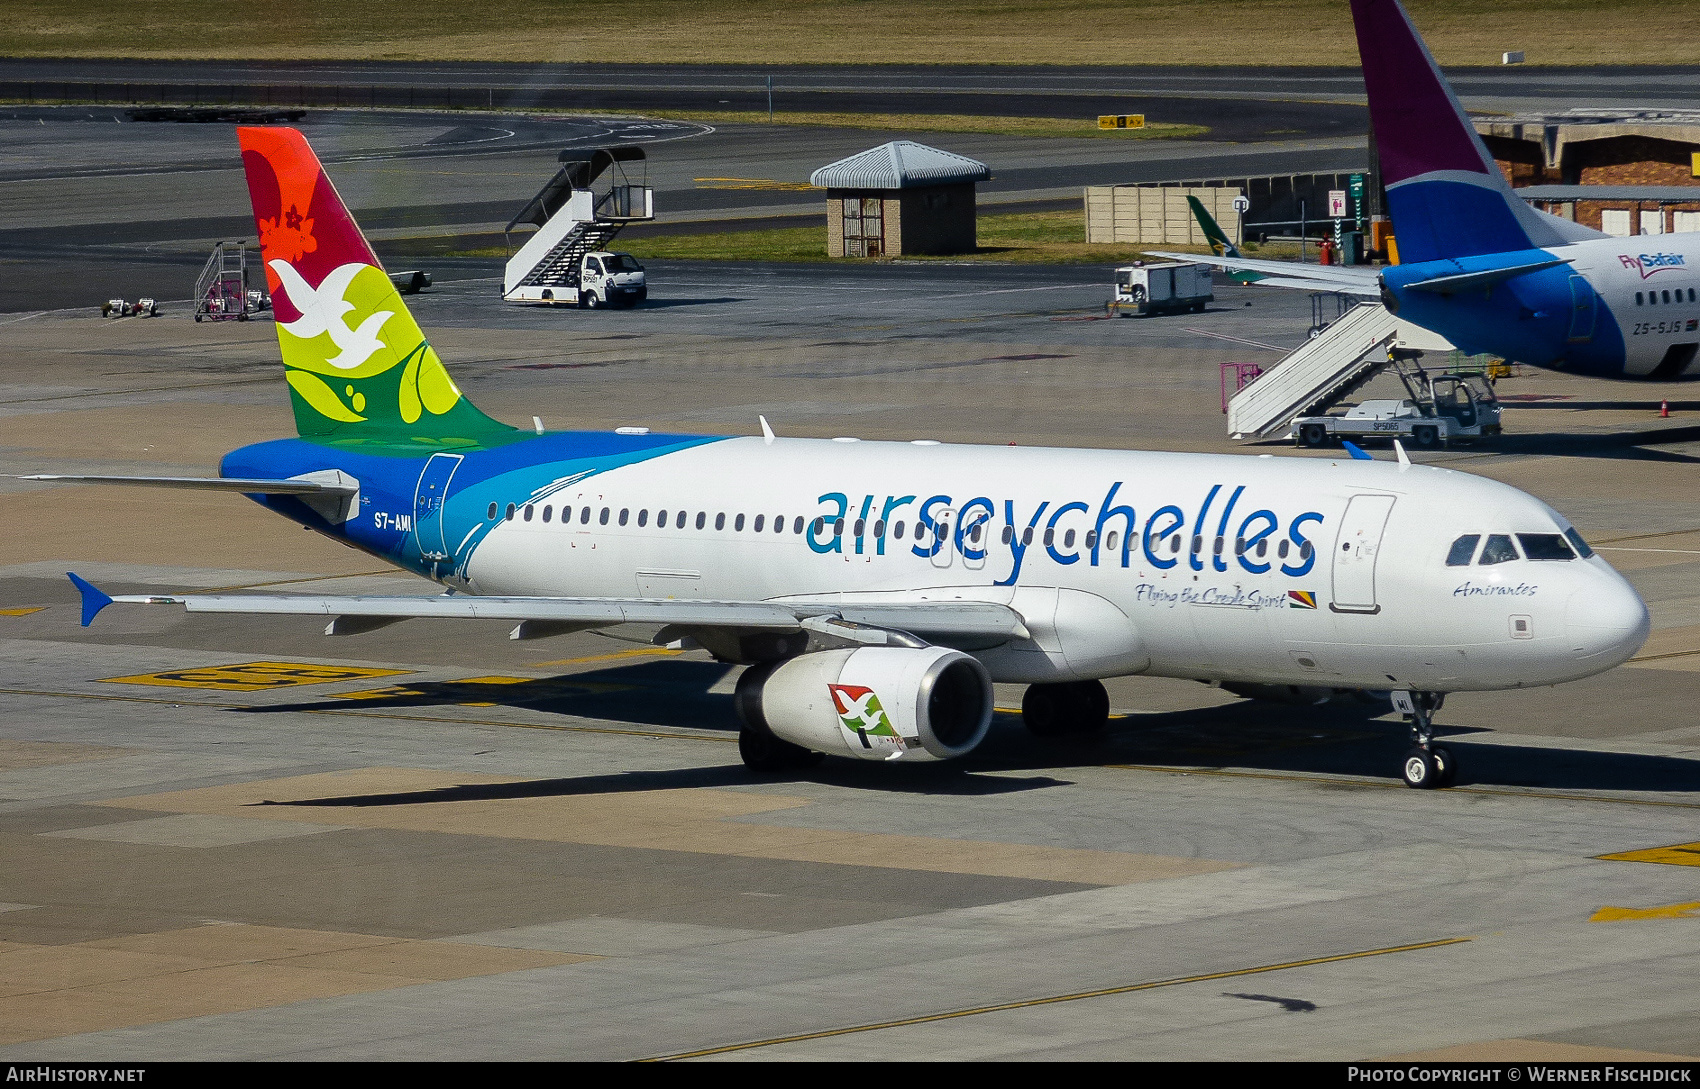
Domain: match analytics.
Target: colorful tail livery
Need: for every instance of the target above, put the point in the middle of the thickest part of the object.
(358, 366)
(1447, 196)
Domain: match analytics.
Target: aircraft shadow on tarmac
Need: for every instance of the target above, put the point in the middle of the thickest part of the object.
(1340, 738)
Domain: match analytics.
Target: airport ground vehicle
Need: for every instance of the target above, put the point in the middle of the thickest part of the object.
(1163, 287)
(1441, 408)
(603, 279)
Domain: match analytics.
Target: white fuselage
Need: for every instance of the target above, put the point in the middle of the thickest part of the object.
(1651, 286)
(1294, 571)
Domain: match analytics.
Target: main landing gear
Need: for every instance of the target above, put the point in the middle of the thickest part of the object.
(1427, 766)
(1057, 710)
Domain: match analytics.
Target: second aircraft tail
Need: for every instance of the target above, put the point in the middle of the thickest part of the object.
(1446, 194)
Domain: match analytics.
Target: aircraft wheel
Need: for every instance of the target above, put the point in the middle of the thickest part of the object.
(1056, 710)
(1044, 711)
(1093, 707)
(1422, 771)
(1447, 765)
(762, 752)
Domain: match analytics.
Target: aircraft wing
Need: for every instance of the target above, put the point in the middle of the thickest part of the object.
(559, 614)
(1351, 279)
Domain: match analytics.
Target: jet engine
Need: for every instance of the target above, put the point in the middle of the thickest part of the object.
(872, 703)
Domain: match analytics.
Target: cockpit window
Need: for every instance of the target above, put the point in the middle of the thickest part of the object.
(1576, 540)
(1462, 549)
(1498, 549)
(1545, 546)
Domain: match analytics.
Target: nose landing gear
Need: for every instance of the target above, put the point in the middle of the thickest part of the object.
(1427, 766)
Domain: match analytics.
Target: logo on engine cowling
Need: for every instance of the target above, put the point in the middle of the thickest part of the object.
(860, 712)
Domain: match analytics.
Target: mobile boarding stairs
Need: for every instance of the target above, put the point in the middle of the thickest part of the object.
(573, 217)
(1317, 375)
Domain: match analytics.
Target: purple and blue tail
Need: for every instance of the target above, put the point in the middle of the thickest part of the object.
(1446, 195)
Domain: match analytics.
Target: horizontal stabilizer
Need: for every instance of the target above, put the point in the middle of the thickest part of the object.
(1292, 283)
(1465, 281)
(1333, 277)
(343, 486)
(954, 618)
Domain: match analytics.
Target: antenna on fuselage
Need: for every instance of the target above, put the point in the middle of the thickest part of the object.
(537, 424)
(767, 435)
(1399, 448)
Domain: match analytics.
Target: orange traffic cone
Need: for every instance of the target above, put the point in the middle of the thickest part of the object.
(1664, 410)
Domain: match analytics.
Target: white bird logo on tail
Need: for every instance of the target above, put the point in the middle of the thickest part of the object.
(322, 311)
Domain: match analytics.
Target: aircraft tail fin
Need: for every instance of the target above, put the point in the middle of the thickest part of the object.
(1219, 244)
(357, 364)
(1447, 196)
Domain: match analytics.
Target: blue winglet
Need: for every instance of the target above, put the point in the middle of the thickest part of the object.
(1355, 450)
(94, 598)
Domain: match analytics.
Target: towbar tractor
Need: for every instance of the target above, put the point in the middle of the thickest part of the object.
(1440, 410)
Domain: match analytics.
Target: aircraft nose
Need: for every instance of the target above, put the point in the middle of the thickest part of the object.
(1607, 625)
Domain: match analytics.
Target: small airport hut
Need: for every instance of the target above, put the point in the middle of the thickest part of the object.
(900, 198)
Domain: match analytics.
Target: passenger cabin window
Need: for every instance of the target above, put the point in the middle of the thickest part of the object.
(1545, 546)
(492, 510)
(702, 518)
(1576, 540)
(738, 524)
(549, 510)
(679, 521)
(897, 531)
(583, 516)
(797, 527)
(528, 512)
(1462, 549)
(643, 518)
(624, 511)
(1110, 540)
(1637, 298)
(761, 520)
(602, 519)
(1498, 549)
(510, 512)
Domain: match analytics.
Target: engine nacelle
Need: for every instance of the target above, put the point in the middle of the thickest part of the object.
(872, 703)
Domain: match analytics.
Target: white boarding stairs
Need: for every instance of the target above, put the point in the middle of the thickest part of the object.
(547, 267)
(1316, 374)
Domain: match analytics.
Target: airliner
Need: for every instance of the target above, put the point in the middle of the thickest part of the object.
(877, 590)
(1478, 265)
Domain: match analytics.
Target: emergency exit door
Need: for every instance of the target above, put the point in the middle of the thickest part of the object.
(1356, 550)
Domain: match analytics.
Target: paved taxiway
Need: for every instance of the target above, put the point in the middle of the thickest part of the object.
(226, 837)
(93, 206)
